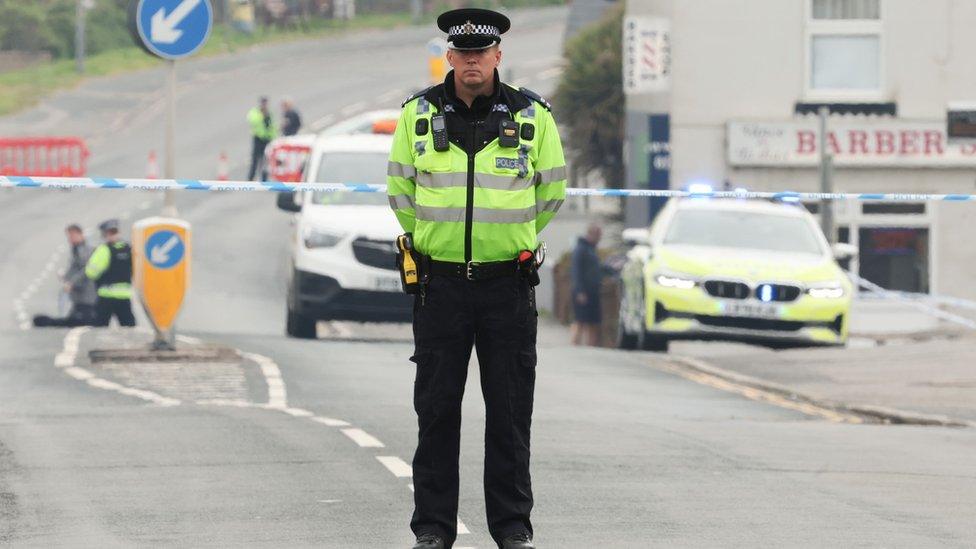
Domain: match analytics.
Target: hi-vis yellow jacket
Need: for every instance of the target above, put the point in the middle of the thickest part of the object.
(482, 206)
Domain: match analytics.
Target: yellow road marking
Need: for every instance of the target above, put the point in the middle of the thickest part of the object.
(759, 395)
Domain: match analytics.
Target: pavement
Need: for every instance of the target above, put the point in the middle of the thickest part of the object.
(307, 443)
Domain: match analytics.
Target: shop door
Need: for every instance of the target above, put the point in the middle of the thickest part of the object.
(896, 258)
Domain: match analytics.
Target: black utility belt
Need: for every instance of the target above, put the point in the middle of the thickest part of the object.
(475, 271)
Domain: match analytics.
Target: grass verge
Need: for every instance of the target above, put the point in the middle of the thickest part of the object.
(26, 87)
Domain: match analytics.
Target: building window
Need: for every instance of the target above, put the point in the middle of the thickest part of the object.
(844, 50)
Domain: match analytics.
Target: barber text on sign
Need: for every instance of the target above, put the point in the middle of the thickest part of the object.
(161, 249)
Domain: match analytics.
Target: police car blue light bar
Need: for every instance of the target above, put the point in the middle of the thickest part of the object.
(272, 186)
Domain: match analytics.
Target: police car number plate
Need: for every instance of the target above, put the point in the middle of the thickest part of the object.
(387, 284)
(752, 310)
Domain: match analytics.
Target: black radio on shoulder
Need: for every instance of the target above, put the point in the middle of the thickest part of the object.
(508, 134)
(438, 126)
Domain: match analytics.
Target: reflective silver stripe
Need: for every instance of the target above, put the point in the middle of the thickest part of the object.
(549, 205)
(423, 106)
(396, 169)
(431, 213)
(491, 215)
(479, 215)
(548, 176)
(401, 202)
(440, 180)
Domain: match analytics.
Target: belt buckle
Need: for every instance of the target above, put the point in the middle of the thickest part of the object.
(469, 270)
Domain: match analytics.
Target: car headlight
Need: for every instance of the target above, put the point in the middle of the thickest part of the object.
(827, 291)
(318, 238)
(675, 281)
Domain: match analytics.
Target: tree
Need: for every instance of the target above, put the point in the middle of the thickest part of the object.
(590, 100)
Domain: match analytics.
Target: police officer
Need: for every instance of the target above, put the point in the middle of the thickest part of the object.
(110, 267)
(476, 172)
(263, 131)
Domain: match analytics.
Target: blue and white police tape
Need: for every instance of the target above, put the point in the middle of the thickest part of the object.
(271, 186)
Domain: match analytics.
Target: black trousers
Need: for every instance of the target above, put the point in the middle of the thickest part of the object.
(498, 317)
(257, 159)
(121, 309)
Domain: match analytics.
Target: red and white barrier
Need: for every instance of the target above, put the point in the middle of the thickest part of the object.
(44, 157)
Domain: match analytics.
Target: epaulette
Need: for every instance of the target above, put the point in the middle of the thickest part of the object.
(421, 93)
(536, 97)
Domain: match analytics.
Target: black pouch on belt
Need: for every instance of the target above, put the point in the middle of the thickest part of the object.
(529, 267)
(409, 264)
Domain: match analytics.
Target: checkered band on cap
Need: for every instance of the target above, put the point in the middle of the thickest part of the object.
(468, 28)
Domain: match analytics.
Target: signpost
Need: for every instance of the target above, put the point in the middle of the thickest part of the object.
(161, 272)
(170, 30)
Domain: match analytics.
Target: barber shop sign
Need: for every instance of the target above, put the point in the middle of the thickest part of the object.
(853, 143)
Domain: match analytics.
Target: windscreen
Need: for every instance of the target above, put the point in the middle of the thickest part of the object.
(351, 167)
(747, 230)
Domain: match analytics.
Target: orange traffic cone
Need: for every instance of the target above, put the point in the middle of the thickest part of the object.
(152, 169)
(223, 167)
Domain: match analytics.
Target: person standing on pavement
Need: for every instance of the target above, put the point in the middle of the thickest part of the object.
(79, 289)
(110, 267)
(263, 131)
(586, 275)
(291, 120)
(476, 172)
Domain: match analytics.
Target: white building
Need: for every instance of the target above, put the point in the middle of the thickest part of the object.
(731, 88)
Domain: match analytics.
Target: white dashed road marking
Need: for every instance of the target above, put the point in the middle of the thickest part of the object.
(277, 401)
(362, 438)
(397, 466)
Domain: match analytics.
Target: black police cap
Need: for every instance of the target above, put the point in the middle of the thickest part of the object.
(473, 28)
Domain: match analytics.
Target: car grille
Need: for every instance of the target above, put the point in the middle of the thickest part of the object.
(750, 323)
(375, 253)
(726, 289)
(738, 290)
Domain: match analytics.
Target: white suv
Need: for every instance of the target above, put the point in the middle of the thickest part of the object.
(342, 246)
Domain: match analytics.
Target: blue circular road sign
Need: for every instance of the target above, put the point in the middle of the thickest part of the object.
(165, 249)
(172, 29)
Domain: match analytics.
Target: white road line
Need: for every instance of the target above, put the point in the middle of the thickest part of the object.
(328, 421)
(277, 395)
(397, 466)
(297, 412)
(188, 340)
(363, 439)
(65, 360)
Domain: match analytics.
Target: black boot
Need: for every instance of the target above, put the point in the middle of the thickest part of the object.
(518, 541)
(429, 541)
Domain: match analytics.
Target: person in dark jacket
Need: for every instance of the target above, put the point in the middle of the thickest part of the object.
(79, 289)
(586, 274)
(292, 121)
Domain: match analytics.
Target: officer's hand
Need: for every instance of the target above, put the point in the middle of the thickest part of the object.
(581, 298)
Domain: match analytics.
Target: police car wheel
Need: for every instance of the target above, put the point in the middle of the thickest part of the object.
(300, 326)
(653, 342)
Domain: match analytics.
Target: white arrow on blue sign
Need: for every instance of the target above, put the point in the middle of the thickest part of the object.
(173, 29)
(165, 249)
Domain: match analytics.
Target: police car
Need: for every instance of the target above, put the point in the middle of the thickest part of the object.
(342, 245)
(730, 269)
